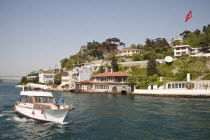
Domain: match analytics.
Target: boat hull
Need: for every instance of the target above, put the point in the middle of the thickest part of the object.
(46, 116)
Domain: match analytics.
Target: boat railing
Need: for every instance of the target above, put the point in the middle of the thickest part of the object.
(68, 106)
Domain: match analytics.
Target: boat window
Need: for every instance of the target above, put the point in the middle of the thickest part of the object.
(29, 99)
(23, 99)
(50, 99)
(38, 99)
(46, 99)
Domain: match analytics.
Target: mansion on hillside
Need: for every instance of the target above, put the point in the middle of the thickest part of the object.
(181, 50)
(108, 82)
(128, 52)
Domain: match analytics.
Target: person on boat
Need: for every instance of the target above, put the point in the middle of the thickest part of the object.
(55, 103)
(61, 101)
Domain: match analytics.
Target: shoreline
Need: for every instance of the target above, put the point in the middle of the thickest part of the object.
(154, 94)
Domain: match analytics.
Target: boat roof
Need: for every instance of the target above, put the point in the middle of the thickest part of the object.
(36, 93)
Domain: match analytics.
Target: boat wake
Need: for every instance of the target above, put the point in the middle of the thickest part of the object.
(1, 115)
(18, 119)
(8, 111)
(64, 123)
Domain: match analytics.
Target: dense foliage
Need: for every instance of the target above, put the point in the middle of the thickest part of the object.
(24, 80)
(114, 64)
(57, 79)
(178, 69)
(92, 51)
(151, 67)
(198, 39)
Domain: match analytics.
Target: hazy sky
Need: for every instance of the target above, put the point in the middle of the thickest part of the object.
(36, 34)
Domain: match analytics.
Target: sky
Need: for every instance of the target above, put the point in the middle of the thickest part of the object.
(37, 34)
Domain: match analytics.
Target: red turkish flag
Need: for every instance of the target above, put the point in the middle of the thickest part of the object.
(189, 15)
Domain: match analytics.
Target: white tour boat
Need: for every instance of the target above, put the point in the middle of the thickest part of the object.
(38, 105)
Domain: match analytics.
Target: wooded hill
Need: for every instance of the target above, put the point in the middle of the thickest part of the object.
(151, 50)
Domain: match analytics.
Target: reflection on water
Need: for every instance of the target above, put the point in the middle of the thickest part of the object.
(107, 116)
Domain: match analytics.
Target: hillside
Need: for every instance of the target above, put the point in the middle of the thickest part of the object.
(175, 71)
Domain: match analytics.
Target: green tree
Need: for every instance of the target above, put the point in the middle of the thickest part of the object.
(69, 64)
(63, 62)
(151, 67)
(132, 80)
(139, 46)
(193, 40)
(133, 46)
(185, 33)
(57, 79)
(177, 42)
(111, 43)
(148, 54)
(197, 32)
(137, 57)
(114, 64)
(24, 80)
(101, 69)
(35, 80)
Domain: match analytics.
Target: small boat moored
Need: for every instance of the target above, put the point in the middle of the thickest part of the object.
(41, 106)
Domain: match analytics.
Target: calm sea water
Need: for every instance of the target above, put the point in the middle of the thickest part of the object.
(107, 116)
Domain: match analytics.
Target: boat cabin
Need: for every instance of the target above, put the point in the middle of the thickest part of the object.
(36, 97)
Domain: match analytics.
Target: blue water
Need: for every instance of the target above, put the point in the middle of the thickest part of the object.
(107, 116)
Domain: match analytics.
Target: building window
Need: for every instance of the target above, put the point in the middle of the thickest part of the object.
(101, 86)
(183, 85)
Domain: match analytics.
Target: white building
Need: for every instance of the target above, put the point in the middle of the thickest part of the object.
(128, 52)
(77, 74)
(33, 75)
(46, 76)
(181, 50)
(176, 39)
(65, 79)
(202, 84)
(110, 82)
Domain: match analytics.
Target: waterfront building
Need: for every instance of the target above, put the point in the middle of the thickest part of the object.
(111, 82)
(46, 76)
(202, 84)
(65, 79)
(128, 52)
(33, 75)
(78, 73)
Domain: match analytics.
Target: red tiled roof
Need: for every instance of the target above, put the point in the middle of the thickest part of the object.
(87, 81)
(91, 82)
(112, 74)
